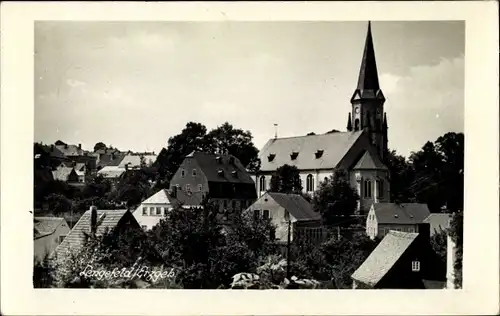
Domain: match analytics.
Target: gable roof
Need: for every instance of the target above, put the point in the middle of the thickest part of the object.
(62, 173)
(50, 150)
(45, 226)
(384, 257)
(111, 171)
(296, 205)
(438, 222)
(76, 237)
(369, 162)
(70, 150)
(210, 166)
(334, 147)
(160, 197)
(405, 213)
(135, 160)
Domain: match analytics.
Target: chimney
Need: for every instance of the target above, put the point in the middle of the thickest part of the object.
(126, 167)
(93, 220)
(79, 146)
(73, 163)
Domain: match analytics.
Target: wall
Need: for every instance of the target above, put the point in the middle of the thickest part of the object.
(366, 202)
(150, 220)
(47, 244)
(401, 227)
(276, 213)
(450, 261)
(193, 181)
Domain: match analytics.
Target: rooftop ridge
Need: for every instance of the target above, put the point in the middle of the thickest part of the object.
(316, 135)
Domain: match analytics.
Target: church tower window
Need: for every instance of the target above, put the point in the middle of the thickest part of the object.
(368, 189)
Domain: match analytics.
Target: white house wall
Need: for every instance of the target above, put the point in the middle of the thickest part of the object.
(150, 220)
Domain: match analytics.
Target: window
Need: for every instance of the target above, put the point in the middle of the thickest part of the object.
(415, 266)
(158, 211)
(256, 214)
(144, 227)
(356, 124)
(193, 172)
(144, 211)
(380, 188)
(183, 173)
(411, 230)
(200, 187)
(368, 189)
(151, 211)
(310, 183)
(262, 183)
(265, 214)
(61, 238)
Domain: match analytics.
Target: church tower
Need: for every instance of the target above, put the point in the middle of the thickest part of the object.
(368, 100)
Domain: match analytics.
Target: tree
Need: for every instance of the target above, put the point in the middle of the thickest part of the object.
(335, 199)
(332, 131)
(401, 177)
(439, 244)
(286, 179)
(311, 133)
(59, 204)
(233, 141)
(99, 146)
(133, 187)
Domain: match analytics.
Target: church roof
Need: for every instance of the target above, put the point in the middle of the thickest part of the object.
(369, 162)
(334, 147)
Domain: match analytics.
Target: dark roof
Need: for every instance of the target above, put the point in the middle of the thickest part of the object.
(383, 257)
(211, 166)
(50, 150)
(405, 213)
(45, 226)
(296, 205)
(76, 237)
(334, 146)
(438, 222)
(115, 160)
(369, 162)
(70, 150)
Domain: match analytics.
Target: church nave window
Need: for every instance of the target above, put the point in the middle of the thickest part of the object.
(310, 183)
(262, 183)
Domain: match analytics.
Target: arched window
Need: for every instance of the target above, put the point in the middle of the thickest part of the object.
(262, 183)
(368, 189)
(356, 124)
(380, 188)
(310, 183)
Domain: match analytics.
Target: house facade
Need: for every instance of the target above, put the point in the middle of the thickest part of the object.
(49, 232)
(402, 261)
(288, 211)
(358, 152)
(384, 217)
(221, 178)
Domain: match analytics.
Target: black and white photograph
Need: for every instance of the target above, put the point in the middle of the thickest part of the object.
(244, 154)
(249, 155)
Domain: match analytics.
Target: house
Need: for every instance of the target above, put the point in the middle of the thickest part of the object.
(49, 232)
(95, 222)
(220, 177)
(439, 222)
(402, 260)
(154, 208)
(137, 160)
(112, 173)
(48, 155)
(405, 217)
(284, 209)
(358, 153)
(67, 174)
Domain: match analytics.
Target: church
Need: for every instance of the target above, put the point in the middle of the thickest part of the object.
(358, 152)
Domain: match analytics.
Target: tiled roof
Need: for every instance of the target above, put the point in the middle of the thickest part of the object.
(369, 162)
(135, 160)
(70, 150)
(438, 222)
(62, 173)
(405, 213)
(210, 166)
(116, 159)
(334, 147)
(46, 225)
(111, 172)
(76, 237)
(296, 205)
(383, 257)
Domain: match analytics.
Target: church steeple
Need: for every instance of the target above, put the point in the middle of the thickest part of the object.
(368, 100)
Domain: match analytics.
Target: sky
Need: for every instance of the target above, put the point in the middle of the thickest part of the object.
(133, 85)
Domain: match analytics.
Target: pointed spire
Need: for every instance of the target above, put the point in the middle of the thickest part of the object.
(385, 122)
(368, 76)
(349, 123)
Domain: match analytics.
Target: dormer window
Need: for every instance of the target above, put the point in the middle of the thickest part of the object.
(271, 157)
(220, 172)
(234, 173)
(294, 155)
(219, 159)
(318, 154)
